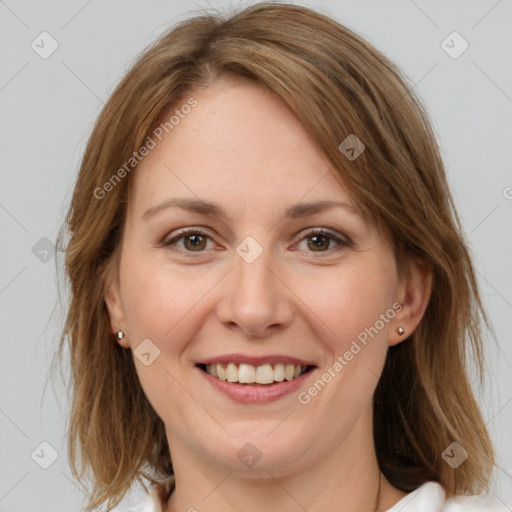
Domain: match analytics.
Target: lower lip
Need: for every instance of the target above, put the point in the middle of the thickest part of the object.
(250, 394)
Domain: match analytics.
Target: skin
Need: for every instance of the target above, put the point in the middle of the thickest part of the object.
(244, 150)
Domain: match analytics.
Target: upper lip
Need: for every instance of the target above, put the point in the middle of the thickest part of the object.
(254, 360)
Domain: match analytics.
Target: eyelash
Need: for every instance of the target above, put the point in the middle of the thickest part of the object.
(314, 232)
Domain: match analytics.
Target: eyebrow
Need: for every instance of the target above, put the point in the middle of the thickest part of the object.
(210, 208)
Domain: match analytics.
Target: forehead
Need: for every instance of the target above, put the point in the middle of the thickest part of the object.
(239, 143)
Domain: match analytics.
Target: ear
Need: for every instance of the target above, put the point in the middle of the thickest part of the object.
(115, 308)
(414, 292)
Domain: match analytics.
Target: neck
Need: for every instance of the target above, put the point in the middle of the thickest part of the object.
(348, 476)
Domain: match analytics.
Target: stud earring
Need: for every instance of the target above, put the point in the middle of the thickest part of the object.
(120, 335)
(400, 331)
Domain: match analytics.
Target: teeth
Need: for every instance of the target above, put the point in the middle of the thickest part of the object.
(248, 374)
(279, 372)
(232, 372)
(264, 374)
(221, 371)
(289, 371)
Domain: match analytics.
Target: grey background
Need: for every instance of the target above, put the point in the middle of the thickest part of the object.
(48, 106)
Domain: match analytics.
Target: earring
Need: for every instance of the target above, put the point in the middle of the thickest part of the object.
(120, 335)
(400, 331)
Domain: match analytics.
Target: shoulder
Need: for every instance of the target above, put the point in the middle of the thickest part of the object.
(430, 497)
(474, 504)
(155, 498)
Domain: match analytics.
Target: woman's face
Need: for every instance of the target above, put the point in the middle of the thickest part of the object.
(253, 281)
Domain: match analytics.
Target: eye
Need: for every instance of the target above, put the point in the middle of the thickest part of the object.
(193, 240)
(318, 240)
(321, 241)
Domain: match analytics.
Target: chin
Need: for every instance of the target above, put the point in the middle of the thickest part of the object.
(258, 451)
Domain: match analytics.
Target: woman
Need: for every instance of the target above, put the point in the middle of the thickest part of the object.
(271, 294)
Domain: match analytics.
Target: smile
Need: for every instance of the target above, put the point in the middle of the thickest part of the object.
(265, 374)
(255, 384)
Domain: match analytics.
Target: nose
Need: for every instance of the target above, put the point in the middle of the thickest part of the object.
(255, 298)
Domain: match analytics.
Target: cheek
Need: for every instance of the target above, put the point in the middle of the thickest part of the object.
(348, 300)
(165, 305)
(162, 299)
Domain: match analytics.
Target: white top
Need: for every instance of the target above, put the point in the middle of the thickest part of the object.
(430, 497)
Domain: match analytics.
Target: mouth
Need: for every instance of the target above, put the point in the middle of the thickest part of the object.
(264, 375)
(261, 383)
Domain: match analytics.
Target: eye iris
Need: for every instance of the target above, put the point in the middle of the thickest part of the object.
(198, 242)
(319, 242)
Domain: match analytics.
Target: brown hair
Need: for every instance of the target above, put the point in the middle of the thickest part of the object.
(336, 84)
